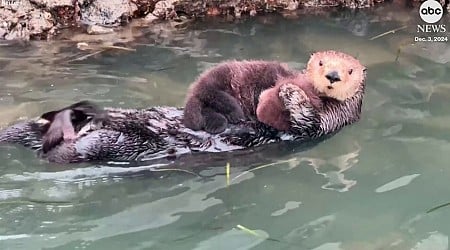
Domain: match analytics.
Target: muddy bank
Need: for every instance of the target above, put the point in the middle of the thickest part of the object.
(42, 19)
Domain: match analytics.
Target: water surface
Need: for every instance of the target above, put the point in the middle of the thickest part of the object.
(368, 187)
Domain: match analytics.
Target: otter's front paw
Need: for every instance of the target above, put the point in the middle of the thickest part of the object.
(292, 95)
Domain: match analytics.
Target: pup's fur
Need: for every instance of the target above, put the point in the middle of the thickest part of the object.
(272, 112)
(238, 90)
(229, 92)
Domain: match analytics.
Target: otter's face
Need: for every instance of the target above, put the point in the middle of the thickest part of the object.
(335, 74)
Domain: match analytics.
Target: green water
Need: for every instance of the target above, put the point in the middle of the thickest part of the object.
(368, 187)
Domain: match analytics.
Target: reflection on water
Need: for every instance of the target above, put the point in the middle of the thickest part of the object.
(368, 187)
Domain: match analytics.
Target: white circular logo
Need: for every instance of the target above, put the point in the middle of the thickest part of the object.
(431, 11)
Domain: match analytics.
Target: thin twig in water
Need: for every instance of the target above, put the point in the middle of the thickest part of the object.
(163, 68)
(263, 166)
(227, 170)
(86, 56)
(399, 50)
(37, 202)
(254, 233)
(117, 47)
(438, 207)
(388, 32)
(249, 231)
(175, 169)
(146, 44)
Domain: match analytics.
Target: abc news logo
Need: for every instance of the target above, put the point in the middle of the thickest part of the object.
(431, 11)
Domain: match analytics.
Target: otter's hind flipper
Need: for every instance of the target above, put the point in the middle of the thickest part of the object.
(86, 108)
(84, 112)
(225, 104)
(66, 122)
(51, 140)
(214, 122)
(49, 116)
(60, 128)
(211, 110)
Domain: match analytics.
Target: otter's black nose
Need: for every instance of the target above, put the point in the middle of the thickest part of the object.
(333, 77)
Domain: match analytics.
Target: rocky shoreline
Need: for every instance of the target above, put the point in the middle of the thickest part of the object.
(43, 19)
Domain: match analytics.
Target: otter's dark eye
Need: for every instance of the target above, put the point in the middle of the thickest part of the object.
(320, 63)
(350, 71)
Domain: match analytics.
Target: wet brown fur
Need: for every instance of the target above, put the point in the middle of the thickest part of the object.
(229, 92)
(239, 90)
(270, 109)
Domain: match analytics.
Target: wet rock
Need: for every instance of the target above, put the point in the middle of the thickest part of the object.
(292, 5)
(20, 20)
(18, 32)
(39, 21)
(164, 9)
(98, 30)
(22, 26)
(25, 19)
(107, 13)
(3, 29)
(52, 3)
(65, 15)
(358, 4)
(150, 18)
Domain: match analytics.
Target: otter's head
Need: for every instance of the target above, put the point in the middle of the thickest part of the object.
(335, 74)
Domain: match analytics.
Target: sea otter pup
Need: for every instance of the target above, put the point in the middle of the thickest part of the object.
(63, 125)
(330, 74)
(229, 92)
(232, 91)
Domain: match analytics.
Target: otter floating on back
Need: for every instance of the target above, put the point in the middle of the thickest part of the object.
(136, 135)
